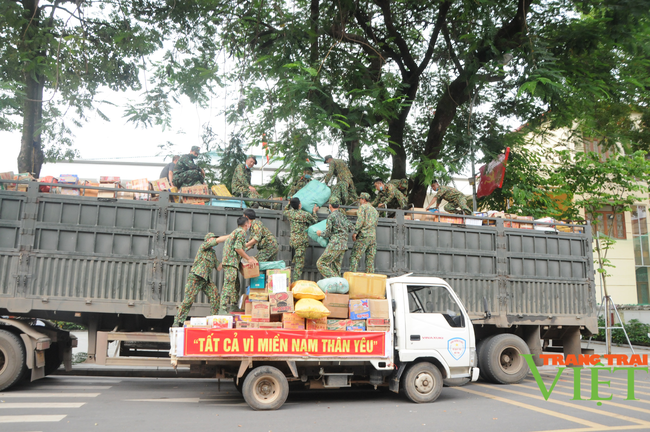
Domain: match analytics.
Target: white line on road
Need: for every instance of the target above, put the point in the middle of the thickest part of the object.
(31, 418)
(46, 395)
(17, 405)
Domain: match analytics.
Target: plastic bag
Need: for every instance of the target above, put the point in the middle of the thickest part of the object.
(313, 193)
(272, 265)
(335, 285)
(307, 289)
(320, 226)
(311, 309)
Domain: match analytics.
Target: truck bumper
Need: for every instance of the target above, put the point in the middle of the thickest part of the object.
(475, 372)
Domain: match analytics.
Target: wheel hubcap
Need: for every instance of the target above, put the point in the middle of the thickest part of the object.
(424, 383)
(266, 389)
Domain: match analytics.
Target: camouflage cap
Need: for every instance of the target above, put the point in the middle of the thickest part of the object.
(326, 158)
(365, 196)
(208, 236)
(335, 201)
(196, 149)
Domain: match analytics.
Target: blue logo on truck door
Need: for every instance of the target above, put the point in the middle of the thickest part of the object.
(456, 347)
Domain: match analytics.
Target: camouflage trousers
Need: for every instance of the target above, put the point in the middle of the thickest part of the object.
(187, 178)
(268, 253)
(230, 290)
(298, 260)
(367, 247)
(453, 207)
(329, 264)
(192, 287)
(247, 193)
(345, 192)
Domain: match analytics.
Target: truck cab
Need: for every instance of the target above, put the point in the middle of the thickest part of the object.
(431, 328)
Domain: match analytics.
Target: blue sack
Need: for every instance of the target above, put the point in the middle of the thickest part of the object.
(236, 204)
(334, 285)
(314, 193)
(320, 226)
(272, 265)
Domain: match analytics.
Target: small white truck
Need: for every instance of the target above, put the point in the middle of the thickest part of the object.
(431, 338)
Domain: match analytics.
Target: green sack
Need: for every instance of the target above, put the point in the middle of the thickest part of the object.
(334, 285)
(272, 265)
(320, 226)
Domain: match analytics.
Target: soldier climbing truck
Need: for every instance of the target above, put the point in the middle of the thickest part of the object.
(118, 266)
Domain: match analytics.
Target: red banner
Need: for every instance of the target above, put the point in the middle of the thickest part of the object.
(492, 175)
(282, 343)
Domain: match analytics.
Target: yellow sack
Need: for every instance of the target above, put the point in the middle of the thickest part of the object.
(311, 309)
(307, 289)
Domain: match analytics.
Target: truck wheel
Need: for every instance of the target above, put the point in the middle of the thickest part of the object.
(12, 359)
(501, 361)
(422, 382)
(479, 349)
(265, 388)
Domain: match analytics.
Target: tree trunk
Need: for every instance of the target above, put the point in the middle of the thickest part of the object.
(396, 144)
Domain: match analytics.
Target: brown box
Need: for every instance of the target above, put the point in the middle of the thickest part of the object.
(107, 194)
(281, 302)
(316, 324)
(428, 217)
(109, 179)
(161, 184)
(125, 195)
(195, 190)
(338, 325)
(270, 325)
(91, 192)
(378, 308)
(261, 312)
(258, 296)
(451, 219)
(247, 324)
(275, 282)
(248, 307)
(249, 270)
(378, 322)
(293, 321)
(377, 328)
(338, 305)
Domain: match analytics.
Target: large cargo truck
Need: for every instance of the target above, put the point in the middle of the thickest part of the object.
(119, 267)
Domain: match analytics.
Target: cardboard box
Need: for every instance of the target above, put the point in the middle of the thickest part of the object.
(67, 191)
(248, 307)
(427, 217)
(258, 282)
(316, 324)
(109, 179)
(293, 321)
(451, 219)
(199, 322)
(338, 305)
(125, 195)
(378, 322)
(247, 325)
(195, 190)
(281, 302)
(356, 325)
(359, 309)
(261, 312)
(161, 184)
(377, 328)
(378, 308)
(249, 270)
(220, 321)
(338, 324)
(220, 190)
(69, 179)
(270, 325)
(7, 176)
(278, 280)
(366, 286)
(258, 296)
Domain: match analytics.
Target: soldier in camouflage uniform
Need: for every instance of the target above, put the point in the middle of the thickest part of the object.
(299, 220)
(302, 181)
(199, 278)
(456, 201)
(267, 244)
(337, 229)
(241, 181)
(186, 172)
(388, 196)
(233, 249)
(401, 184)
(365, 236)
(344, 192)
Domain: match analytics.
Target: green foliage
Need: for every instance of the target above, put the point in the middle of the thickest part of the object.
(636, 331)
(232, 154)
(64, 325)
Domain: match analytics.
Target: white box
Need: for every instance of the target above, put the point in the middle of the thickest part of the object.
(199, 322)
(469, 221)
(220, 321)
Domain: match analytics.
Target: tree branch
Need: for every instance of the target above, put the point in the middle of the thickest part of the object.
(441, 22)
(452, 54)
(405, 52)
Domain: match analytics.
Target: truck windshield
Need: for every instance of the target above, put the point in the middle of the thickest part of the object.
(435, 299)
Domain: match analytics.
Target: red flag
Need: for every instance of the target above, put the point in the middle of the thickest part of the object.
(492, 175)
(265, 146)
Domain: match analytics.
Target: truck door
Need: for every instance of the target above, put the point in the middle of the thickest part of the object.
(435, 323)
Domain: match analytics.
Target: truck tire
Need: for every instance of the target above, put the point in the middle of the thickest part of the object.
(422, 382)
(479, 349)
(501, 361)
(12, 359)
(265, 388)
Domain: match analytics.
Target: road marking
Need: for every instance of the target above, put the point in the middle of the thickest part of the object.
(604, 428)
(571, 405)
(17, 405)
(31, 418)
(533, 408)
(179, 400)
(70, 387)
(46, 395)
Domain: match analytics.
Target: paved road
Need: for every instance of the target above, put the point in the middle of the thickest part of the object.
(64, 403)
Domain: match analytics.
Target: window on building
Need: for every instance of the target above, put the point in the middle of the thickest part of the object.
(641, 252)
(609, 223)
(594, 146)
